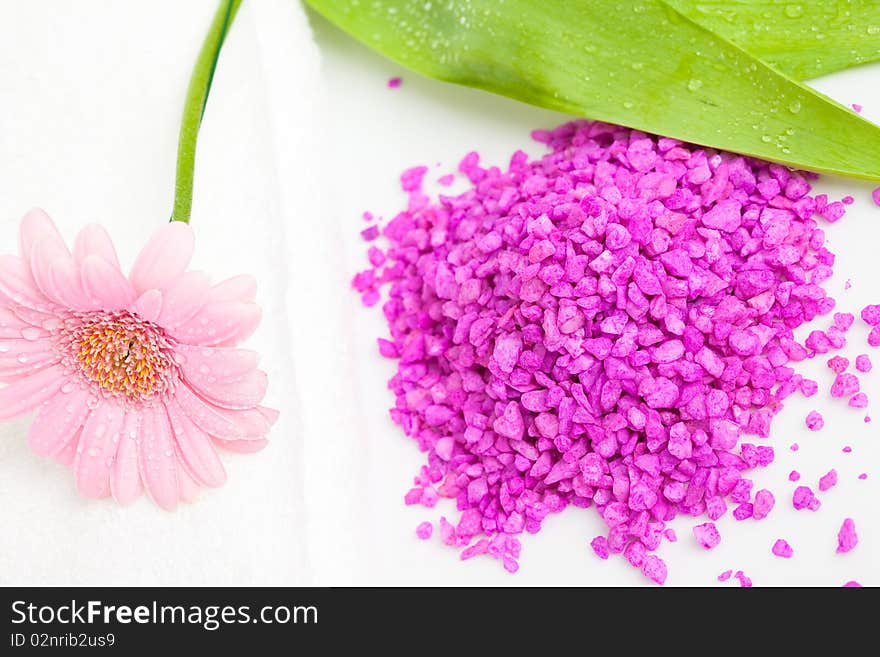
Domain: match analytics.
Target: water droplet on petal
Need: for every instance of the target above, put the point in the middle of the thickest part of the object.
(31, 333)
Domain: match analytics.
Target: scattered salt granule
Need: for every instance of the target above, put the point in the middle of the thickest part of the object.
(863, 363)
(794, 475)
(863, 476)
(794, 447)
(424, 530)
(804, 498)
(847, 449)
(808, 387)
(600, 327)
(814, 421)
(828, 480)
(670, 535)
(876, 196)
(393, 83)
(781, 548)
(859, 400)
(707, 535)
(723, 577)
(600, 547)
(764, 502)
(874, 337)
(744, 582)
(370, 233)
(838, 364)
(852, 584)
(871, 314)
(446, 180)
(844, 385)
(847, 200)
(847, 538)
(857, 108)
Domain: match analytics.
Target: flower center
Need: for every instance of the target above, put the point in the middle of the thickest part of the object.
(120, 354)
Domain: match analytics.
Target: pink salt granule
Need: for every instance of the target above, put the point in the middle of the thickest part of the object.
(844, 385)
(863, 363)
(424, 530)
(394, 83)
(859, 400)
(794, 447)
(794, 475)
(847, 449)
(707, 535)
(863, 476)
(723, 577)
(446, 180)
(744, 581)
(838, 364)
(781, 548)
(857, 108)
(828, 480)
(852, 584)
(599, 327)
(871, 314)
(764, 503)
(809, 387)
(815, 421)
(876, 196)
(804, 498)
(847, 538)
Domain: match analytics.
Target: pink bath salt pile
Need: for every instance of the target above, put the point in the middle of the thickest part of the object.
(814, 421)
(847, 538)
(781, 548)
(828, 480)
(599, 327)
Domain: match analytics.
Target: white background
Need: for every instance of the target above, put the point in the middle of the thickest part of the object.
(293, 149)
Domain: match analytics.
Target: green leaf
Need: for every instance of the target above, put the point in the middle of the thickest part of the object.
(639, 64)
(802, 39)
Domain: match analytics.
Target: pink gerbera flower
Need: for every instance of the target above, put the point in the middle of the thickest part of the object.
(135, 379)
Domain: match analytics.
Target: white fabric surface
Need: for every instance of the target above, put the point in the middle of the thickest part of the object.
(92, 93)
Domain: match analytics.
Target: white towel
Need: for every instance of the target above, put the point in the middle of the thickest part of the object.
(92, 94)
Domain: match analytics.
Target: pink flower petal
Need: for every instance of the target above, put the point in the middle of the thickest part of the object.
(225, 323)
(183, 298)
(105, 284)
(238, 288)
(11, 325)
(94, 461)
(164, 258)
(36, 226)
(57, 276)
(156, 459)
(25, 395)
(186, 487)
(93, 240)
(148, 306)
(196, 450)
(20, 358)
(125, 478)
(67, 455)
(241, 446)
(241, 393)
(219, 422)
(58, 422)
(16, 285)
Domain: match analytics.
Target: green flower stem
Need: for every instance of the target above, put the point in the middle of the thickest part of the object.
(194, 107)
